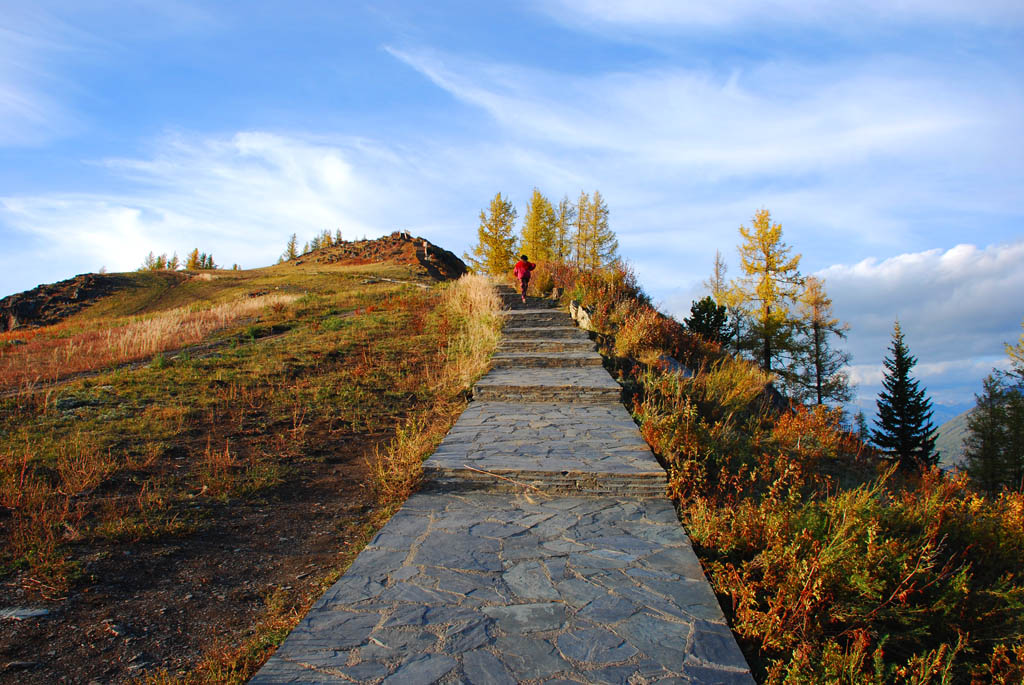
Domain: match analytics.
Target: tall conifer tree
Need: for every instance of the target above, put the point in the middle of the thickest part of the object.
(904, 422)
(717, 285)
(565, 218)
(495, 251)
(594, 241)
(291, 250)
(819, 375)
(994, 447)
(767, 290)
(538, 233)
(581, 229)
(604, 249)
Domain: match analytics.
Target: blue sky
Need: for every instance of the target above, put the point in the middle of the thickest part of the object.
(884, 137)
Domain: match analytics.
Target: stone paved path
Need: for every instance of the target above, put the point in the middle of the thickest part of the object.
(542, 551)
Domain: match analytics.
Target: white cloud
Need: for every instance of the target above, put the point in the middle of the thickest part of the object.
(960, 303)
(956, 308)
(239, 197)
(770, 119)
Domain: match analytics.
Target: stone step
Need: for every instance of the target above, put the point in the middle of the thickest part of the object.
(545, 360)
(585, 384)
(537, 318)
(534, 332)
(514, 305)
(546, 346)
(549, 482)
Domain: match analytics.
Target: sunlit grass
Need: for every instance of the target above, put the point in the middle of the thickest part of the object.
(48, 354)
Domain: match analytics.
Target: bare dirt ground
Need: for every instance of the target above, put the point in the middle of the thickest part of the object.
(146, 606)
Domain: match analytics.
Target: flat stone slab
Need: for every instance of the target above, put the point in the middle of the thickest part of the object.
(555, 437)
(584, 384)
(546, 359)
(546, 345)
(499, 588)
(566, 332)
(532, 311)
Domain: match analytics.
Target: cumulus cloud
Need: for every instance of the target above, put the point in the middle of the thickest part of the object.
(957, 308)
(952, 304)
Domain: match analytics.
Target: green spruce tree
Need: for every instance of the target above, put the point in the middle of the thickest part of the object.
(994, 447)
(495, 251)
(710, 320)
(904, 426)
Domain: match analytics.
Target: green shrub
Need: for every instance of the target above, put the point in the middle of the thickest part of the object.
(333, 323)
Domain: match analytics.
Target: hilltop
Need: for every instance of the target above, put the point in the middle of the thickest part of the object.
(185, 456)
(51, 303)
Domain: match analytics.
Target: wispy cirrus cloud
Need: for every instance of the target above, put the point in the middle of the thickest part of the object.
(238, 196)
(660, 15)
(773, 119)
(29, 111)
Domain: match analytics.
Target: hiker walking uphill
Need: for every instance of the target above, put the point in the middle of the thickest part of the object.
(522, 271)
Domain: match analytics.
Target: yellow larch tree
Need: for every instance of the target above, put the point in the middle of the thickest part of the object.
(768, 288)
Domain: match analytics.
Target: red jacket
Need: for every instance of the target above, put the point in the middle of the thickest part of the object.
(522, 269)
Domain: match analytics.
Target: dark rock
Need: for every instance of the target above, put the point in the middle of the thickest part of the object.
(530, 658)
(48, 304)
(595, 647)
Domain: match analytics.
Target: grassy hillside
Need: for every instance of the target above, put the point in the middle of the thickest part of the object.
(187, 463)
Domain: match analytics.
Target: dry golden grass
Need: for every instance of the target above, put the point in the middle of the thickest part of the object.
(470, 306)
(472, 303)
(49, 354)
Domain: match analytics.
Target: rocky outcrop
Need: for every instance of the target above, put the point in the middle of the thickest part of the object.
(400, 247)
(51, 303)
(581, 315)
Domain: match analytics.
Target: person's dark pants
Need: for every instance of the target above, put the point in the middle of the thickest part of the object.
(523, 282)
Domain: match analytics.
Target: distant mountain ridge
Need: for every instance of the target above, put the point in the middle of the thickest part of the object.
(949, 442)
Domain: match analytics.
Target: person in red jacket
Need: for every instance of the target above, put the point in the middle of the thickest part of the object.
(522, 271)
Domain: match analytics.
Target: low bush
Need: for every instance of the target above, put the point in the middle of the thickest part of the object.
(830, 565)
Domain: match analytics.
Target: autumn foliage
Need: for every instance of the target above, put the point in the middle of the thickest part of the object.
(832, 566)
